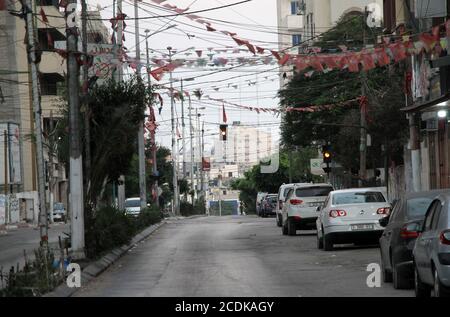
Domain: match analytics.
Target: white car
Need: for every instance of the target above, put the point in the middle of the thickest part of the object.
(133, 206)
(352, 216)
(299, 210)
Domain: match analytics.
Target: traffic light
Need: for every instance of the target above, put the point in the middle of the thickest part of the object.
(327, 155)
(223, 132)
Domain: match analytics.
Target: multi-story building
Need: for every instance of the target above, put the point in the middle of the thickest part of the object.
(303, 20)
(16, 113)
(245, 147)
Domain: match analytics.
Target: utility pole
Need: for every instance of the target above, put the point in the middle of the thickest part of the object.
(220, 194)
(31, 47)
(5, 150)
(152, 134)
(51, 172)
(76, 160)
(199, 165)
(174, 152)
(141, 145)
(201, 162)
(183, 131)
(191, 130)
(87, 123)
(363, 108)
(118, 78)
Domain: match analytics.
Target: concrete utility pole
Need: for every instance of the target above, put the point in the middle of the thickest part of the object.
(199, 144)
(176, 206)
(141, 145)
(363, 138)
(76, 160)
(201, 161)
(191, 130)
(118, 78)
(153, 139)
(183, 134)
(43, 219)
(5, 152)
(51, 171)
(85, 73)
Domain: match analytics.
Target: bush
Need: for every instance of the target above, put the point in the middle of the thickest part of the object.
(186, 209)
(148, 217)
(109, 228)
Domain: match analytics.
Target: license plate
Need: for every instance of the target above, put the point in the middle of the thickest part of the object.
(362, 227)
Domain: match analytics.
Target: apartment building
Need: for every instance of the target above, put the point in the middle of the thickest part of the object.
(16, 112)
(245, 147)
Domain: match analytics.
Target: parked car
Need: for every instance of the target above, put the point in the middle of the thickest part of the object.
(299, 210)
(259, 197)
(268, 205)
(351, 216)
(133, 206)
(59, 212)
(431, 254)
(402, 227)
(282, 193)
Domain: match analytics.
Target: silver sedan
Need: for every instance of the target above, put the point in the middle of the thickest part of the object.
(432, 251)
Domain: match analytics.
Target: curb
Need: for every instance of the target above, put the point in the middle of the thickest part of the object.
(97, 267)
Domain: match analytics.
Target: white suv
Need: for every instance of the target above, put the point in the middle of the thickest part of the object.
(282, 193)
(299, 210)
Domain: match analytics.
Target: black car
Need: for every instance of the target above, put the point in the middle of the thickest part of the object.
(402, 227)
(268, 205)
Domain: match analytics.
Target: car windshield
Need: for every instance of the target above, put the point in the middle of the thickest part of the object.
(417, 207)
(313, 191)
(357, 198)
(132, 203)
(272, 199)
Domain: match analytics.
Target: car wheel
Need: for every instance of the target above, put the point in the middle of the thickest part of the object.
(399, 279)
(292, 230)
(439, 289)
(327, 243)
(421, 289)
(387, 276)
(319, 242)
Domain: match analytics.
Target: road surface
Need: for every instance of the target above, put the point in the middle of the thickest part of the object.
(16, 241)
(237, 256)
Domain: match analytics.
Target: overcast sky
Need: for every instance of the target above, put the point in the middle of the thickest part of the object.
(255, 21)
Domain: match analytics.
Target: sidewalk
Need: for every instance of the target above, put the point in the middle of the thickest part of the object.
(14, 239)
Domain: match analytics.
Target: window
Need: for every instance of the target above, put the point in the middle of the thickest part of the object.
(436, 216)
(417, 207)
(316, 191)
(358, 198)
(296, 39)
(396, 211)
(289, 194)
(294, 7)
(429, 216)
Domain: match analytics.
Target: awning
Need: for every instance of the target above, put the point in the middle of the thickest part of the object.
(427, 104)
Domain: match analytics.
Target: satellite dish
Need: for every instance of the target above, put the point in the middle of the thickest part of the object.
(374, 16)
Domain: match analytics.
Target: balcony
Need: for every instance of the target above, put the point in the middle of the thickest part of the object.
(52, 63)
(295, 22)
(55, 18)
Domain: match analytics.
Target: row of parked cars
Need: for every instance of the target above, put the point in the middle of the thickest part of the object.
(413, 232)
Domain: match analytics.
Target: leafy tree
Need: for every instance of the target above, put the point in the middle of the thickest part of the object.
(116, 110)
(340, 125)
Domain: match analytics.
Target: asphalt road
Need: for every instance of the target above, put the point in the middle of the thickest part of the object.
(13, 244)
(237, 256)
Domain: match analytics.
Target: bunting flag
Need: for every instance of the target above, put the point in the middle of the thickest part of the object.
(43, 16)
(224, 114)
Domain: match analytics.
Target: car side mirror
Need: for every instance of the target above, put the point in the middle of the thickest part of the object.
(384, 221)
(319, 208)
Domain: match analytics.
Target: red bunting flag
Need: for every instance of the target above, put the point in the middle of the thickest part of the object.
(43, 15)
(251, 48)
(282, 61)
(275, 53)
